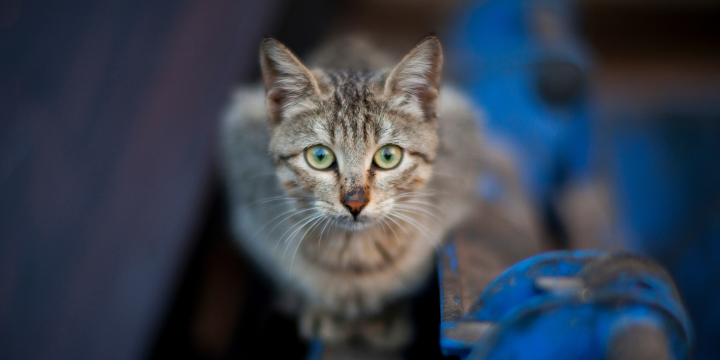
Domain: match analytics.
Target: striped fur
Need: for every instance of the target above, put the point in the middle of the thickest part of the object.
(289, 216)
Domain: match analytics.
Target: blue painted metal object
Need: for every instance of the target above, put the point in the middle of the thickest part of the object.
(521, 61)
(663, 160)
(567, 305)
(666, 174)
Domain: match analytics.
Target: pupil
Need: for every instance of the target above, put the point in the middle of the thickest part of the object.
(387, 154)
(320, 154)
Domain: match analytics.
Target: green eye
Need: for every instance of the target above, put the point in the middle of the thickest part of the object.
(388, 156)
(319, 157)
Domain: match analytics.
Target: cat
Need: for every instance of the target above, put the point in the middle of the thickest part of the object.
(344, 179)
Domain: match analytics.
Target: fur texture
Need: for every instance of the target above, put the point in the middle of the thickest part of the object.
(350, 271)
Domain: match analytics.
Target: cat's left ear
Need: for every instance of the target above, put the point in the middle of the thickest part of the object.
(286, 79)
(418, 76)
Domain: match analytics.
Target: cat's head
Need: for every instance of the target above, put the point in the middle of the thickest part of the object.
(353, 143)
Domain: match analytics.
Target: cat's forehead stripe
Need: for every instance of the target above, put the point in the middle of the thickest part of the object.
(355, 105)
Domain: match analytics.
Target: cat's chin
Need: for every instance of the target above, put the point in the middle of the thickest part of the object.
(354, 224)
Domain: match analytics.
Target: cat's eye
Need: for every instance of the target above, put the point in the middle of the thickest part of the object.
(319, 157)
(388, 157)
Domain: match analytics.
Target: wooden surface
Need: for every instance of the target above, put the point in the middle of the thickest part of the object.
(492, 238)
(107, 119)
(486, 245)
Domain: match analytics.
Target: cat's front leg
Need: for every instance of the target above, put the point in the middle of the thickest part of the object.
(390, 329)
(317, 323)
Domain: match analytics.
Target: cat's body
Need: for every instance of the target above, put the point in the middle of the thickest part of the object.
(353, 238)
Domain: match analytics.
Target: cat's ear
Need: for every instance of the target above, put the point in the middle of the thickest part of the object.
(286, 79)
(418, 76)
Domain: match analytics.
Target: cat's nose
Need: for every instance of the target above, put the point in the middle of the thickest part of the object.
(355, 207)
(355, 201)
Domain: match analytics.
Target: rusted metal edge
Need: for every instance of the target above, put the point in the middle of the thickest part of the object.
(450, 288)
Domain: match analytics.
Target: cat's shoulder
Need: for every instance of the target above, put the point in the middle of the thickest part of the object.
(245, 108)
(454, 103)
(458, 115)
(244, 134)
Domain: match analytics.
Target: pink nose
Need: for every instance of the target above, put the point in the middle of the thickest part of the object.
(355, 201)
(355, 206)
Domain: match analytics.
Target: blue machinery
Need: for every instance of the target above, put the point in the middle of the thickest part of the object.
(566, 305)
(522, 62)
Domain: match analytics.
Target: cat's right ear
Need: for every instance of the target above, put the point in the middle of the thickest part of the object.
(286, 79)
(418, 76)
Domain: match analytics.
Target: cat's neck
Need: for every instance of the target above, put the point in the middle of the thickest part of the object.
(373, 248)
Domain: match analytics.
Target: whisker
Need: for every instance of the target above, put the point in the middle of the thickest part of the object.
(417, 210)
(288, 242)
(421, 226)
(280, 204)
(306, 220)
(323, 231)
(419, 203)
(288, 217)
(273, 219)
(417, 193)
(413, 212)
(289, 229)
(393, 231)
(422, 229)
(260, 202)
(318, 221)
(383, 227)
(272, 198)
(396, 223)
(413, 196)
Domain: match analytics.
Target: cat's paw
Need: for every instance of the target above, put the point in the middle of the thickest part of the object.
(391, 330)
(318, 325)
(388, 332)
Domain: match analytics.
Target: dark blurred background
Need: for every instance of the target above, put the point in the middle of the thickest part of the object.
(113, 241)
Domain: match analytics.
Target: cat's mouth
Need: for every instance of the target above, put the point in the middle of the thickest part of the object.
(354, 224)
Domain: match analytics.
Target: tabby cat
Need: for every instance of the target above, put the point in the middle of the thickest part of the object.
(343, 180)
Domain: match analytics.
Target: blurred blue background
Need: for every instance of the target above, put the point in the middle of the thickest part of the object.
(648, 154)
